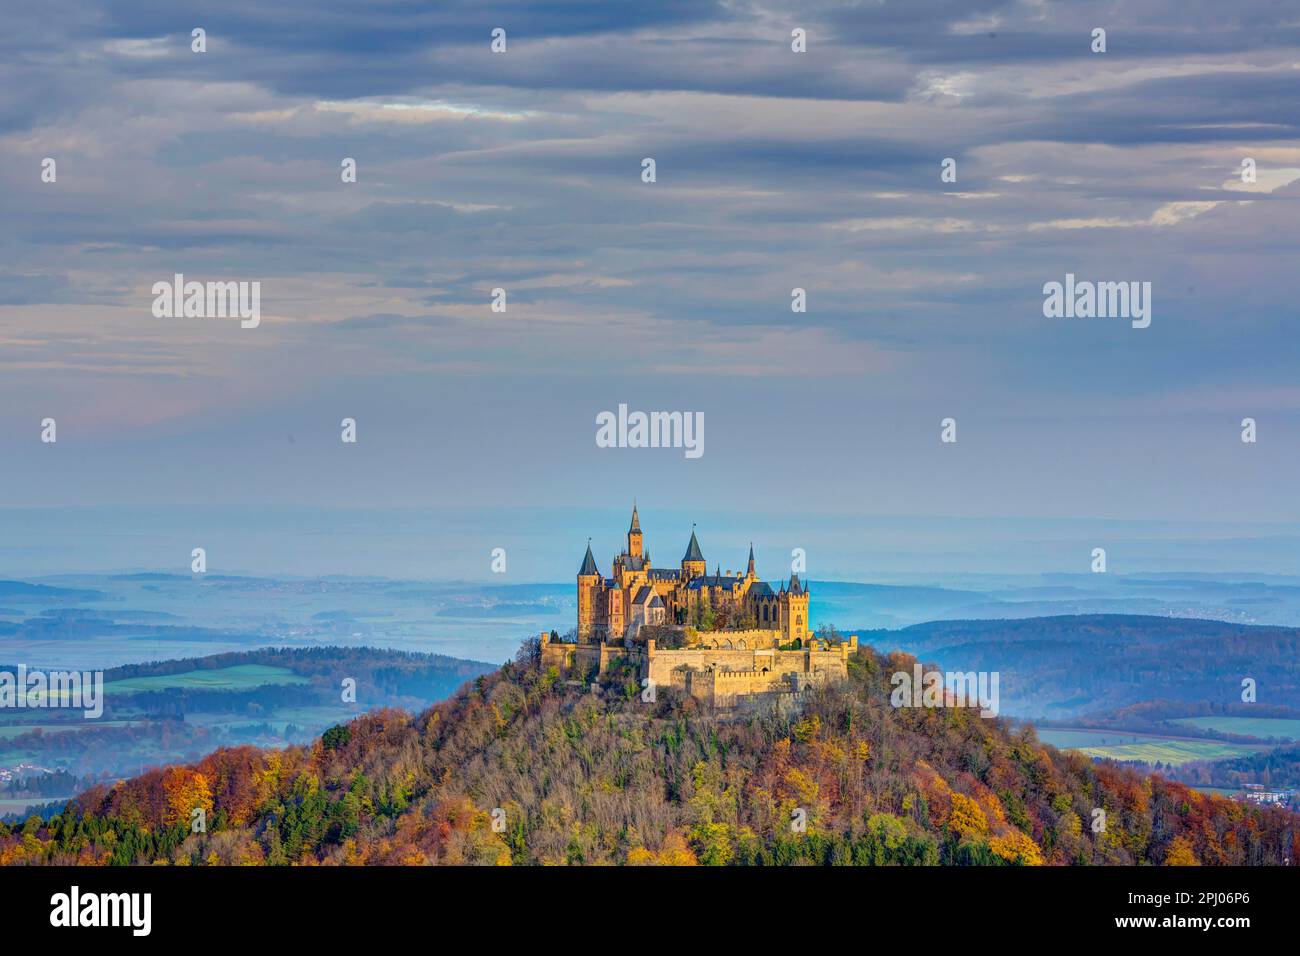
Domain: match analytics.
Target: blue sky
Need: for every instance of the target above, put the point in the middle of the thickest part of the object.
(775, 170)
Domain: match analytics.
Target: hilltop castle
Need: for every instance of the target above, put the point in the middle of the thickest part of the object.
(637, 594)
(718, 637)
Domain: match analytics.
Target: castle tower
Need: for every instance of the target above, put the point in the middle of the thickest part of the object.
(634, 535)
(794, 610)
(749, 573)
(693, 560)
(589, 585)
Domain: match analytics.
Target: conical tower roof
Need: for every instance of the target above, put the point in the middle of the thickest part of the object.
(588, 563)
(693, 552)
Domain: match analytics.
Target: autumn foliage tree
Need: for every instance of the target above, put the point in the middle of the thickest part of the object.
(519, 768)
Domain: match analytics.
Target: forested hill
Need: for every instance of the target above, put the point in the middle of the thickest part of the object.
(581, 777)
(1053, 666)
(177, 711)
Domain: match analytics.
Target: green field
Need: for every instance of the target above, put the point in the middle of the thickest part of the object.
(1171, 752)
(1281, 727)
(239, 677)
(1150, 748)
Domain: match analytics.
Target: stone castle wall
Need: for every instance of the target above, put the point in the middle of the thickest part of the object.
(719, 676)
(748, 639)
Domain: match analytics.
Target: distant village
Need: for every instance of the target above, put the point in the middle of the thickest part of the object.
(1261, 795)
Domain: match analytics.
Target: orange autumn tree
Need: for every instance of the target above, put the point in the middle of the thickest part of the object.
(185, 790)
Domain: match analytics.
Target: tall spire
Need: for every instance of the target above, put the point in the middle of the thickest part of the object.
(588, 562)
(636, 522)
(751, 559)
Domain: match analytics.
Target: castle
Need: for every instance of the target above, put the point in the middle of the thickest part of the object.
(716, 637)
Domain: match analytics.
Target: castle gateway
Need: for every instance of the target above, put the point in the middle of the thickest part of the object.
(718, 637)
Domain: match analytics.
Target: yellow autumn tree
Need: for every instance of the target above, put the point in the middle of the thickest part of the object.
(806, 730)
(640, 856)
(1016, 846)
(1180, 853)
(967, 818)
(800, 786)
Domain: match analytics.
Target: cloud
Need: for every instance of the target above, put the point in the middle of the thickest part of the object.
(1169, 214)
(522, 171)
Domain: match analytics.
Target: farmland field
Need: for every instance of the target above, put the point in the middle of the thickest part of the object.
(1247, 726)
(1149, 748)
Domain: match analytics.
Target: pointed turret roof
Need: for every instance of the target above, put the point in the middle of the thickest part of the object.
(636, 522)
(588, 562)
(795, 587)
(693, 552)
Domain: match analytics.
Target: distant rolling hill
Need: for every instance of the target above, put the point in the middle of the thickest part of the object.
(1053, 667)
(895, 605)
(20, 592)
